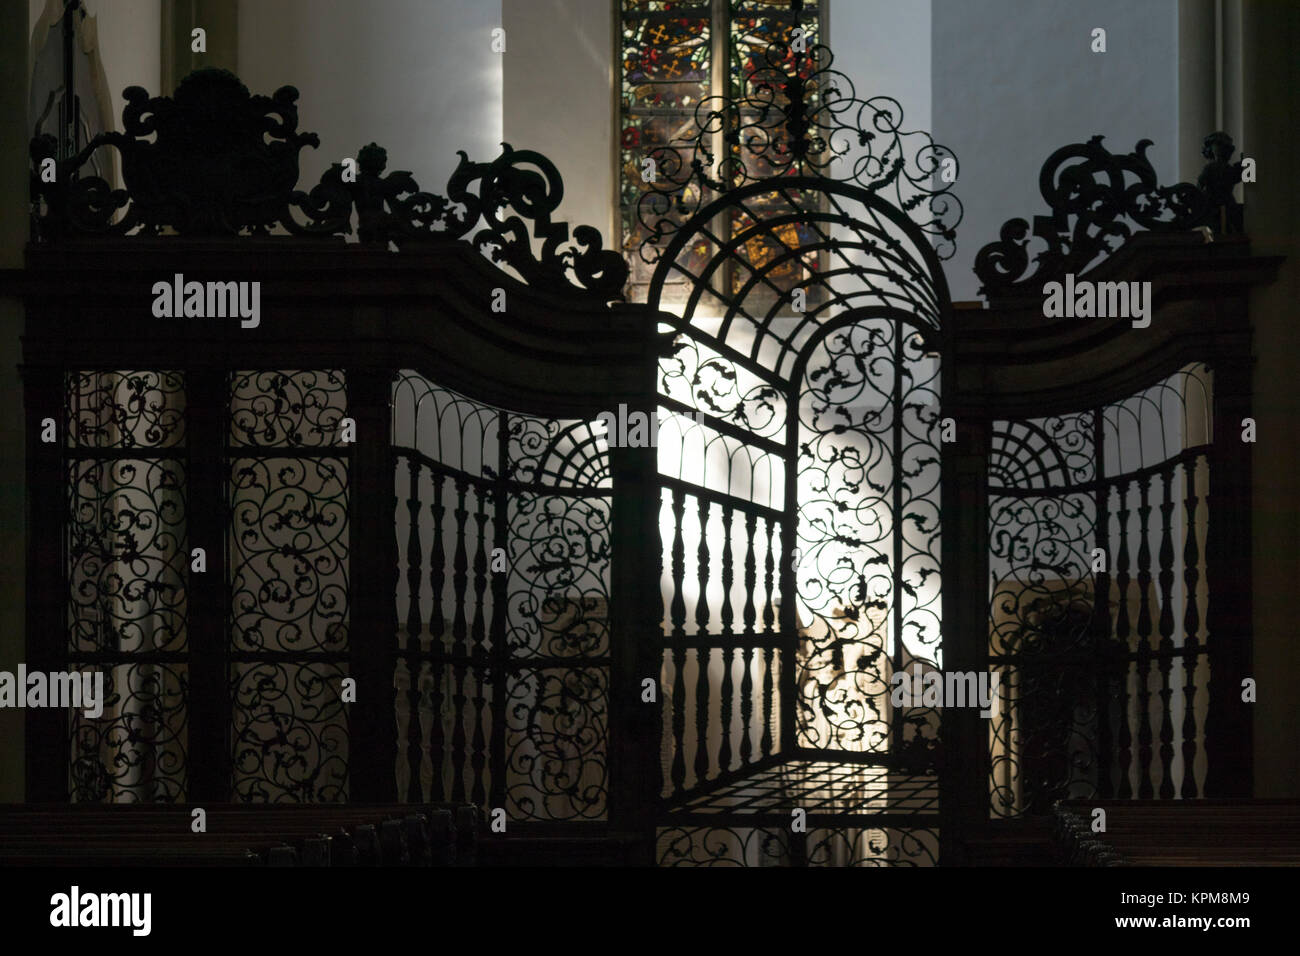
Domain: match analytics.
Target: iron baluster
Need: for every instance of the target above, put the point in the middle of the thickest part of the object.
(1145, 790)
(459, 582)
(478, 634)
(1122, 635)
(728, 652)
(1191, 632)
(414, 668)
(1166, 624)
(437, 630)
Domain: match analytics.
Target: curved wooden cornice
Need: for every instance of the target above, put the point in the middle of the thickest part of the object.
(1010, 361)
(329, 304)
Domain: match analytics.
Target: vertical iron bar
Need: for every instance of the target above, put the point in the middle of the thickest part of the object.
(1191, 634)
(1145, 790)
(207, 404)
(1122, 633)
(414, 790)
(728, 655)
(373, 572)
(437, 629)
(703, 654)
(747, 657)
(459, 627)
(895, 530)
(1166, 624)
(678, 613)
(500, 595)
(478, 632)
(1229, 729)
(49, 507)
(1101, 629)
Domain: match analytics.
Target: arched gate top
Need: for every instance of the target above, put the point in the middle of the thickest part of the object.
(795, 202)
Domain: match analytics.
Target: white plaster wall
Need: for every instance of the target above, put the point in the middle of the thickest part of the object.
(418, 77)
(559, 78)
(130, 43)
(1015, 79)
(883, 46)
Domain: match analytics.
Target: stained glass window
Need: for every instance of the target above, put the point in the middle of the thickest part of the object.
(675, 55)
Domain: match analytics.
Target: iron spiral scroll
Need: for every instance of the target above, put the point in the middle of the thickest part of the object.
(795, 115)
(1098, 199)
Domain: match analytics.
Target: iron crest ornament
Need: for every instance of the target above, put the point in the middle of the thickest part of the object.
(215, 160)
(221, 162)
(393, 208)
(1097, 199)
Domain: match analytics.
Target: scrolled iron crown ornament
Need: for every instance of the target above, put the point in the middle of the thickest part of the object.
(1098, 200)
(223, 162)
(797, 116)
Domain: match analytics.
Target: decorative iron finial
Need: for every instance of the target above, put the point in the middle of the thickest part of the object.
(796, 116)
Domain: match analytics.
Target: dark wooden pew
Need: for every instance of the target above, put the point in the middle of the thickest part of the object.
(1179, 833)
(240, 834)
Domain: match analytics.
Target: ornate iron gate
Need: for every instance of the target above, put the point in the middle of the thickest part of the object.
(805, 343)
(799, 466)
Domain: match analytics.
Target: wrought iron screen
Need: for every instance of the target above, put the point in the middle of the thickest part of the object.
(1098, 525)
(232, 671)
(127, 561)
(130, 572)
(288, 495)
(504, 667)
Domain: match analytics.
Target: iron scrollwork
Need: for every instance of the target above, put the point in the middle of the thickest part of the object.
(797, 116)
(722, 846)
(1097, 198)
(290, 733)
(392, 208)
(866, 495)
(215, 160)
(126, 556)
(136, 750)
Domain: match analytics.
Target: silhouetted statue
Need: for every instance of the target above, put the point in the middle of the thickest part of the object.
(1217, 180)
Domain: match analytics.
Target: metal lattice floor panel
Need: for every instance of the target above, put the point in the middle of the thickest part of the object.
(821, 787)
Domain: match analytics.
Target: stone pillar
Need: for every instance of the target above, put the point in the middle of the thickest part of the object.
(1197, 83)
(1270, 94)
